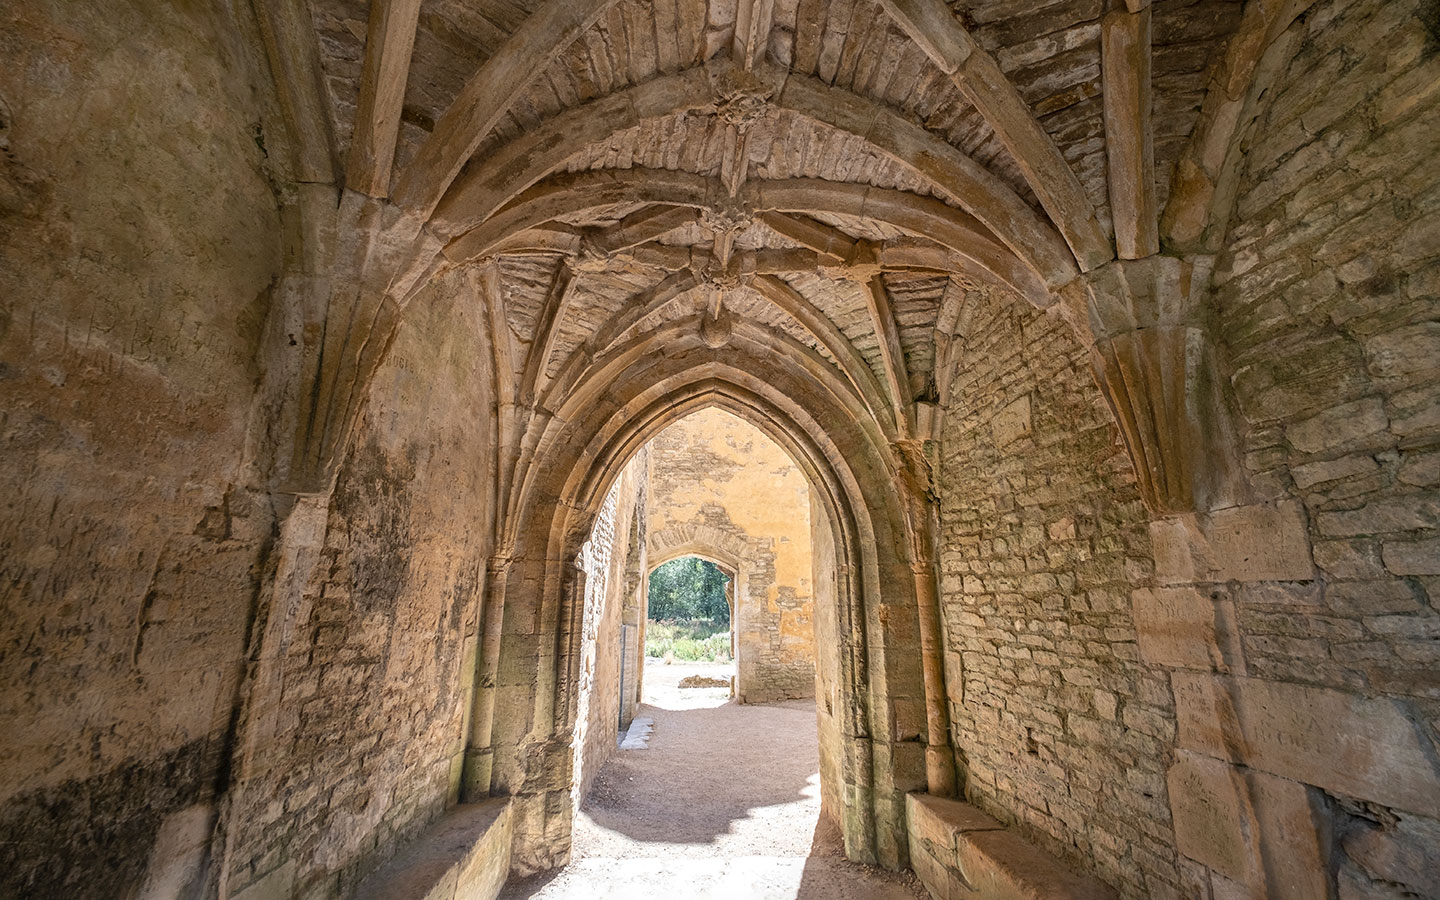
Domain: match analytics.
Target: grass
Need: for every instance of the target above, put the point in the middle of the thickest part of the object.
(692, 640)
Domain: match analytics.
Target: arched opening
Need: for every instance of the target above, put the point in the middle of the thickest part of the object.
(723, 499)
(742, 755)
(879, 746)
(690, 617)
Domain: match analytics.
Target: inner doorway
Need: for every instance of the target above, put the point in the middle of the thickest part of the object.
(723, 775)
(689, 628)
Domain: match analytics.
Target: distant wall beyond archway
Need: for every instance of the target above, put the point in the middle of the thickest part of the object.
(720, 489)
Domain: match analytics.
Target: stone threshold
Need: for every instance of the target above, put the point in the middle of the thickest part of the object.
(960, 853)
(463, 854)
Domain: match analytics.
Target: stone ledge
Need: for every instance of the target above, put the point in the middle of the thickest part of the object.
(464, 855)
(960, 853)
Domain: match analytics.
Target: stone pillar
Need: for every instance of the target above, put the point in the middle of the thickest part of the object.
(480, 752)
(939, 758)
(917, 486)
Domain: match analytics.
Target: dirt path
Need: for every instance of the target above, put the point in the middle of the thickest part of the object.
(722, 804)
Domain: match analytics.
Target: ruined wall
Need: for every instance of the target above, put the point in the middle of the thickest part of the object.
(610, 565)
(357, 718)
(1328, 304)
(139, 238)
(632, 615)
(1060, 728)
(712, 470)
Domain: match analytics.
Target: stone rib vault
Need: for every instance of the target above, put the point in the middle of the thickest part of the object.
(1105, 333)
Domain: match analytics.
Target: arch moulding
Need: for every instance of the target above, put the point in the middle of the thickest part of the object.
(577, 454)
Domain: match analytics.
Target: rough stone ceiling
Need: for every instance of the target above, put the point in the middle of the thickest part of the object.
(750, 95)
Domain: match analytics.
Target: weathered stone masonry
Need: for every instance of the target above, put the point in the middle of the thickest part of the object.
(1103, 335)
(1065, 730)
(720, 489)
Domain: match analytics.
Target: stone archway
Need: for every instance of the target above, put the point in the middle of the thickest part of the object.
(729, 552)
(852, 474)
(718, 488)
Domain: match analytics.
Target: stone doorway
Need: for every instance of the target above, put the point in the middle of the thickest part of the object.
(691, 619)
(710, 490)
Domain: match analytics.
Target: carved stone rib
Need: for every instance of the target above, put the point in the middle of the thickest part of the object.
(488, 95)
(1129, 141)
(932, 25)
(389, 42)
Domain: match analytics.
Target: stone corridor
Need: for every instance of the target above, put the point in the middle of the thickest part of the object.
(723, 803)
(1098, 342)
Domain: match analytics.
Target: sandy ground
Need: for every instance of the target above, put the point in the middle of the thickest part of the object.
(723, 804)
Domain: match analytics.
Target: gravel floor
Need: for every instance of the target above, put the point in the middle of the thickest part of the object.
(722, 804)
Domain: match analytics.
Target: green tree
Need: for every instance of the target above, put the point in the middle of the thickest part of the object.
(689, 588)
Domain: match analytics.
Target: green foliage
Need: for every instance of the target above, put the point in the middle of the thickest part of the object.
(692, 640)
(689, 588)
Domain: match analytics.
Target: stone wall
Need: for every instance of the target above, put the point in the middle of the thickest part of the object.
(1328, 300)
(715, 479)
(357, 711)
(139, 242)
(612, 572)
(1061, 730)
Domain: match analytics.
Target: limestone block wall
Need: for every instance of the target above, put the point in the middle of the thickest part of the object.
(717, 479)
(613, 571)
(1063, 731)
(139, 243)
(1329, 294)
(1329, 306)
(357, 736)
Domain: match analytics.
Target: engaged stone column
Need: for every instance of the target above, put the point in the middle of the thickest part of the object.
(479, 751)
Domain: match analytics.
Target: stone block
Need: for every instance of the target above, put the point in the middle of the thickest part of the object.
(278, 884)
(1338, 425)
(1404, 853)
(1184, 628)
(1404, 351)
(1294, 837)
(939, 819)
(1369, 598)
(1394, 514)
(1181, 552)
(1210, 810)
(1003, 866)
(1012, 422)
(177, 858)
(464, 855)
(1348, 559)
(1311, 474)
(1361, 747)
(1265, 835)
(1262, 542)
(1412, 557)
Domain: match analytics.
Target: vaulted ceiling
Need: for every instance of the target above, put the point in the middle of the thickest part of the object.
(846, 172)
